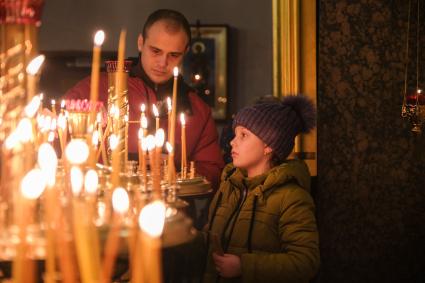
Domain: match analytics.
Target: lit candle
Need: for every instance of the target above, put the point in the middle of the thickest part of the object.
(156, 114)
(32, 186)
(159, 142)
(48, 161)
(86, 256)
(77, 152)
(150, 146)
(32, 70)
(120, 204)
(171, 166)
(99, 37)
(170, 111)
(144, 123)
(144, 145)
(61, 131)
(139, 147)
(53, 102)
(151, 222)
(171, 171)
(183, 140)
(142, 111)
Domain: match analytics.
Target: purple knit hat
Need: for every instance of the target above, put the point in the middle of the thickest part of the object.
(278, 123)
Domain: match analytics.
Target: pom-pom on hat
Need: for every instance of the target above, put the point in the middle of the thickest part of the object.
(278, 123)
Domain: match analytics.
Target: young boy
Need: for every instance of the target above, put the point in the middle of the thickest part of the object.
(262, 226)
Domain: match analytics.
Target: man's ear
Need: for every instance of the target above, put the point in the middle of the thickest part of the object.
(140, 42)
(187, 49)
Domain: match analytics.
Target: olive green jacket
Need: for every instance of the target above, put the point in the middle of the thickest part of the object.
(268, 221)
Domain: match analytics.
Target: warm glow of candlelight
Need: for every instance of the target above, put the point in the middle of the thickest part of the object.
(150, 142)
(99, 118)
(144, 123)
(95, 138)
(76, 180)
(99, 37)
(48, 162)
(62, 104)
(53, 125)
(120, 200)
(24, 130)
(143, 108)
(91, 180)
(169, 147)
(152, 218)
(32, 107)
(113, 141)
(33, 184)
(12, 140)
(51, 137)
(144, 144)
(61, 121)
(53, 102)
(159, 138)
(169, 105)
(176, 71)
(155, 110)
(182, 119)
(35, 64)
(77, 151)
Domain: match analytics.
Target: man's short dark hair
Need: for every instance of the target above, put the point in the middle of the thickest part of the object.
(173, 18)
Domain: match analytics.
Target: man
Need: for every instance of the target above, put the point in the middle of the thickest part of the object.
(164, 41)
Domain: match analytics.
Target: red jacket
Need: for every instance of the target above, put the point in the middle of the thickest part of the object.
(201, 133)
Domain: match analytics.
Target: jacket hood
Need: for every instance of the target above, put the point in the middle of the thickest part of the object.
(293, 170)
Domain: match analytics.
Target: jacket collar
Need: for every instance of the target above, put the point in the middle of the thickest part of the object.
(164, 90)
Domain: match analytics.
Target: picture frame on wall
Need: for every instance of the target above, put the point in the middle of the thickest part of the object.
(205, 66)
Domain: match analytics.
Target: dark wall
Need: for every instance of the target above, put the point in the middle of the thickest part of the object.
(371, 168)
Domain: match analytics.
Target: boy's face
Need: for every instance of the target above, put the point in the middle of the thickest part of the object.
(161, 51)
(250, 152)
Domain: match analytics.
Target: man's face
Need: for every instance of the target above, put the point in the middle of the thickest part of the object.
(162, 50)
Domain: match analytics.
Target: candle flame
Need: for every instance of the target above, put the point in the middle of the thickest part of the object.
(48, 162)
(159, 137)
(95, 138)
(126, 118)
(150, 142)
(120, 200)
(35, 65)
(32, 107)
(182, 119)
(144, 122)
(176, 71)
(53, 102)
(91, 180)
(76, 180)
(143, 107)
(113, 141)
(77, 151)
(33, 184)
(51, 137)
(24, 130)
(62, 104)
(99, 37)
(169, 105)
(152, 218)
(155, 110)
(99, 118)
(169, 147)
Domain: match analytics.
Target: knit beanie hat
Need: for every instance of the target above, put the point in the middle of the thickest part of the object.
(278, 123)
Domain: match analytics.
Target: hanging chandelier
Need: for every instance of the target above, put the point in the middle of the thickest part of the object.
(413, 107)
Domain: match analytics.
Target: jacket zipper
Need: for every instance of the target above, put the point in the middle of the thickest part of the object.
(234, 215)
